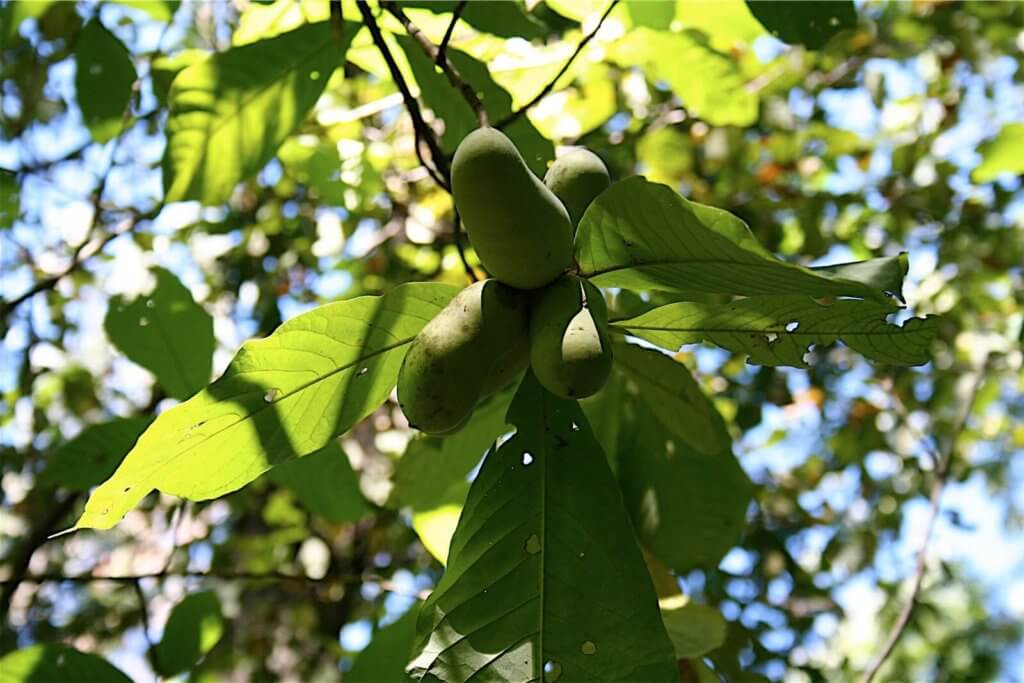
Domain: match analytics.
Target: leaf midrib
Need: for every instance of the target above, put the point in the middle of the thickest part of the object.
(896, 329)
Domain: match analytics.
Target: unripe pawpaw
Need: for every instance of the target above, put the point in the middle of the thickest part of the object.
(570, 352)
(577, 177)
(454, 358)
(519, 228)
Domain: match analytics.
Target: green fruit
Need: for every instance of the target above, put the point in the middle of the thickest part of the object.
(458, 355)
(519, 228)
(577, 178)
(570, 352)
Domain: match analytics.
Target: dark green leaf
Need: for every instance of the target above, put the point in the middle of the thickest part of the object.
(230, 112)
(104, 75)
(281, 397)
(325, 484)
(194, 627)
(805, 23)
(92, 456)
(544, 569)
(167, 333)
(384, 659)
(56, 664)
(10, 201)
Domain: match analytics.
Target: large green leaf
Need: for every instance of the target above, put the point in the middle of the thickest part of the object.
(194, 627)
(92, 456)
(671, 393)
(167, 333)
(324, 483)
(688, 508)
(777, 330)
(459, 119)
(281, 397)
(1001, 154)
(230, 112)
(642, 235)
(104, 75)
(53, 663)
(718, 95)
(384, 659)
(806, 23)
(544, 571)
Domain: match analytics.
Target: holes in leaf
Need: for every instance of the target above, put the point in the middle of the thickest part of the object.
(588, 648)
(575, 427)
(362, 371)
(552, 671)
(772, 337)
(533, 544)
(791, 327)
(270, 396)
(143, 322)
(527, 458)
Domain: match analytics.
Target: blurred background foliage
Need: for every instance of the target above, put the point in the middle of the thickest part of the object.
(883, 127)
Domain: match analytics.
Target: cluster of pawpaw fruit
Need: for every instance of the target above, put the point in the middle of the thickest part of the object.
(531, 312)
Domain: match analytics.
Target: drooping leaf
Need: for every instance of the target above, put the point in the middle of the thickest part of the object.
(92, 456)
(1001, 154)
(448, 103)
(10, 199)
(164, 68)
(642, 235)
(884, 274)
(167, 333)
(194, 627)
(811, 24)
(544, 570)
(777, 330)
(230, 112)
(160, 10)
(51, 663)
(688, 508)
(104, 75)
(718, 96)
(694, 629)
(505, 19)
(324, 483)
(671, 393)
(281, 397)
(384, 659)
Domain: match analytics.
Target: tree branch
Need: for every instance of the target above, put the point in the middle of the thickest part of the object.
(441, 59)
(546, 90)
(941, 460)
(443, 47)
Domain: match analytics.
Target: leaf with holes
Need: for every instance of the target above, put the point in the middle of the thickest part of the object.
(194, 627)
(544, 569)
(230, 112)
(642, 235)
(48, 663)
(167, 333)
(104, 75)
(777, 330)
(281, 397)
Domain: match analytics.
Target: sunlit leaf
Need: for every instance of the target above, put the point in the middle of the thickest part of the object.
(694, 629)
(1001, 154)
(436, 526)
(324, 483)
(263, 20)
(643, 235)
(194, 627)
(92, 456)
(281, 397)
(806, 23)
(506, 19)
(544, 569)
(777, 330)
(230, 112)
(727, 23)
(163, 69)
(655, 15)
(104, 75)
(51, 663)
(384, 659)
(13, 13)
(167, 333)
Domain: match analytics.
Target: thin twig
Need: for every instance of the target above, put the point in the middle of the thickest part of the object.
(546, 90)
(941, 459)
(144, 612)
(442, 49)
(458, 245)
(432, 51)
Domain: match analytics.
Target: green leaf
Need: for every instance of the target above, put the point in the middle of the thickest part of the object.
(642, 235)
(777, 330)
(544, 569)
(448, 104)
(51, 663)
(93, 455)
(325, 484)
(165, 68)
(1001, 154)
(507, 19)
(104, 75)
(160, 10)
(194, 627)
(655, 15)
(167, 333)
(811, 24)
(10, 200)
(281, 397)
(884, 274)
(17, 11)
(230, 112)
(694, 629)
(384, 659)
(671, 393)
(719, 95)
(432, 464)
(688, 508)
(436, 526)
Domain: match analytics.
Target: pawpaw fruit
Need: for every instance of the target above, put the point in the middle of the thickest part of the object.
(570, 351)
(519, 228)
(458, 356)
(577, 177)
